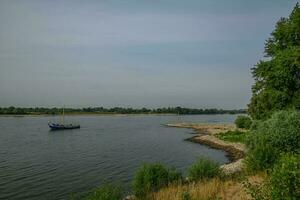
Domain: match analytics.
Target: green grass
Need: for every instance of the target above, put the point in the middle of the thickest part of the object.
(152, 177)
(233, 136)
(203, 169)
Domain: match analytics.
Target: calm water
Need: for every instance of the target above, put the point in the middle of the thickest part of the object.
(36, 163)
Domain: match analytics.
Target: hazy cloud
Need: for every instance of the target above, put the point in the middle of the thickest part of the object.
(132, 53)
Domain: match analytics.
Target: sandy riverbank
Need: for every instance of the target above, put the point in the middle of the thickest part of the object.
(206, 135)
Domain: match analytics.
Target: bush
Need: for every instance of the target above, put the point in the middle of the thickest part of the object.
(204, 169)
(279, 134)
(285, 178)
(283, 181)
(282, 131)
(254, 125)
(262, 156)
(106, 192)
(151, 177)
(243, 122)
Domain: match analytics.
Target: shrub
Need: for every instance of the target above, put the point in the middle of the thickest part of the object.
(261, 157)
(151, 177)
(282, 131)
(106, 192)
(285, 178)
(254, 125)
(243, 122)
(283, 181)
(204, 169)
(279, 134)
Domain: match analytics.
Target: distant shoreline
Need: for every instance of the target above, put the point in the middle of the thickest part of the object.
(115, 111)
(109, 114)
(85, 114)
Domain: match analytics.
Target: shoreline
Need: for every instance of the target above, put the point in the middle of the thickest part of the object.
(233, 154)
(205, 136)
(84, 114)
(106, 114)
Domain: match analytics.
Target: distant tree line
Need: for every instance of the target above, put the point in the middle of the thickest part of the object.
(116, 110)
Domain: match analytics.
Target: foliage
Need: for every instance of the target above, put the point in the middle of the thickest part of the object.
(285, 178)
(212, 189)
(261, 157)
(106, 192)
(283, 181)
(233, 136)
(277, 79)
(243, 122)
(151, 177)
(254, 124)
(257, 191)
(282, 131)
(116, 110)
(279, 134)
(186, 196)
(203, 169)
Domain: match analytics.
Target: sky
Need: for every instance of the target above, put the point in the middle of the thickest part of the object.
(133, 53)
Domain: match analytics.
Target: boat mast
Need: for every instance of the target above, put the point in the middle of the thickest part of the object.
(63, 116)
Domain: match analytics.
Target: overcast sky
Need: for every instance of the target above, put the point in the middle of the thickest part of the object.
(152, 53)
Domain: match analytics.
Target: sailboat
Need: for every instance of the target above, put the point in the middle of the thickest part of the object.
(62, 125)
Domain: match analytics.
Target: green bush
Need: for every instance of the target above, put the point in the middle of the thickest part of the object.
(283, 183)
(243, 122)
(285, 178)
(151, 177)
(261, 157)
(203, 169)
(282, 131)
(254, 125)
(279, 134)
(106, 192)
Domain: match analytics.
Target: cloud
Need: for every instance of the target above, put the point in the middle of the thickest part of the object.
(137, 53)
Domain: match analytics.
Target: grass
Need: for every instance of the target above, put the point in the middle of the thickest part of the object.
(233, 136)
(104, 192)
(230, 188)
(203, 169)
(207, 190)
(152, 177)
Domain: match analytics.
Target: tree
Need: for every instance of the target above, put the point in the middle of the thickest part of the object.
(277, 79)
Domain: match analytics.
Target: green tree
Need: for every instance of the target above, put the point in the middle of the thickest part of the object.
(277, 79)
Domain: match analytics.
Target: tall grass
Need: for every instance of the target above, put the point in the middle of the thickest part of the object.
(212, 189)
(106, 192)
(261, 157)
(151, 177)
(203, 169)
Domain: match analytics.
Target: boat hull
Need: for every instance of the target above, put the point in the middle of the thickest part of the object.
(62, 127)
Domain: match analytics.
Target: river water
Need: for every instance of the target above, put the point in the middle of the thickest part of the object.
(36, 163)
